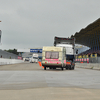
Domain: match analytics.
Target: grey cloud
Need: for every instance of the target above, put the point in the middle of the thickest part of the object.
(34, 23)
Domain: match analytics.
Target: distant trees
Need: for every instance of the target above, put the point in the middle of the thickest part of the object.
(14, 51)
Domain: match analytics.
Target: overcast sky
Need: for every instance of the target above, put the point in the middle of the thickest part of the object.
(35, 23)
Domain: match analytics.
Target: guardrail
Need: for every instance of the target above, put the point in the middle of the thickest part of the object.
(4, 61)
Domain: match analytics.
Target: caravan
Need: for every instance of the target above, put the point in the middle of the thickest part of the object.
(53, 57)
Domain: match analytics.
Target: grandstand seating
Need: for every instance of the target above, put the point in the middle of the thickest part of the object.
(4, 54)
(90, 37)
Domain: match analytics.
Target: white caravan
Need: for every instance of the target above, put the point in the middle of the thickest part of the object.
(53, 57)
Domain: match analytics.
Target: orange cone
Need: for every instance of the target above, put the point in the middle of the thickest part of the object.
(40, 63)
(42, 66)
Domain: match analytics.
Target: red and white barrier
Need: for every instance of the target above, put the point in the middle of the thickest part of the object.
(82, 60)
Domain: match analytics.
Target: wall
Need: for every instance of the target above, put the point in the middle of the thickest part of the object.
(4, 61)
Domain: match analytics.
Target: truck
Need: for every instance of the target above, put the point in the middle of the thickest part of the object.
(69, 44)
(53, 57)
(34, 58)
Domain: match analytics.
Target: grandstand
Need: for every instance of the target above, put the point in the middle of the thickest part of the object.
(90, 37)
(4, 54)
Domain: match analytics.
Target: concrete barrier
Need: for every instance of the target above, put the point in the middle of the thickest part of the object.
(4, 61)
(88, 65)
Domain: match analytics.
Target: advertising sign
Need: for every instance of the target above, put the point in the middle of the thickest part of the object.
(19, 57)
(36, 50)
(93, 55)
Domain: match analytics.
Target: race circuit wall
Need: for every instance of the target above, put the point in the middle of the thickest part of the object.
(4, 61)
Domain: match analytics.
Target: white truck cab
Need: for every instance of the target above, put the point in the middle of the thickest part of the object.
(69, 48)
(69, 44)
(34, 58)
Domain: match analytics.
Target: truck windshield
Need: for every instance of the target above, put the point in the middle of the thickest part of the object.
(52, 55)
(35, 58)
(69, 57)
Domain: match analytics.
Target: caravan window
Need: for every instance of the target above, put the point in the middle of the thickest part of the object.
(52, 55)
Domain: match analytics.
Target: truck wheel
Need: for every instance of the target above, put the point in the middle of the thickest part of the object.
(70, 67)
(44, 68)
(73, 67)
(66, 67)
(61, 68)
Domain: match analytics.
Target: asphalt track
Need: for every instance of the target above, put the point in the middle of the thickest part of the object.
(30, 81)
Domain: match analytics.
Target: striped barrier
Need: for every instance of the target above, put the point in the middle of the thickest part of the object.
(82, 60)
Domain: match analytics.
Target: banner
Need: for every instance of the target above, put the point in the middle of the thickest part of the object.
(93, 55)
(36, 50)
(19, 57)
